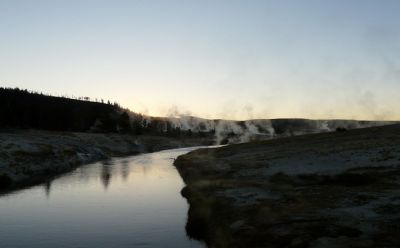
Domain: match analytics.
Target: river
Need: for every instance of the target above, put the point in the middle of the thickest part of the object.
(124, 202)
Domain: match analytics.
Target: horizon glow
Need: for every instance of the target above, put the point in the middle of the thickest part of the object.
(315, 59)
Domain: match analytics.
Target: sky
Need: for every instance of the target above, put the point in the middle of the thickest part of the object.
(234, 59)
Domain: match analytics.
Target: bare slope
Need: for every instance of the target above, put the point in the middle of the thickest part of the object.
(336, 189)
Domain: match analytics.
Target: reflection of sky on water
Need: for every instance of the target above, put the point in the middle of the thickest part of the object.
(124, 202)
(124, 169)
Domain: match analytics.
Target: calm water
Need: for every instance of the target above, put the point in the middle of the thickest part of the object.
(126, 202)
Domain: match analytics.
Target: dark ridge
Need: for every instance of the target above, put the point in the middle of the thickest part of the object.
(23, 109)
(29, 110)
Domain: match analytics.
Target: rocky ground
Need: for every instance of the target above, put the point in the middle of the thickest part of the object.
(338, 189)
(28, 157)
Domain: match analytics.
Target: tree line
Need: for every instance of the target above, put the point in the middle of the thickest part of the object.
(23, 109)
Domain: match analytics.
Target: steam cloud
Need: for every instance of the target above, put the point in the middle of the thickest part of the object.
(231, 131)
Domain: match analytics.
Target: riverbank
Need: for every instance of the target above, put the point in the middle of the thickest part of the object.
(336, 189)
(31, 156)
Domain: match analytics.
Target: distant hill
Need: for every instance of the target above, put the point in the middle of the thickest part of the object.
(230, 131)
(23, 109)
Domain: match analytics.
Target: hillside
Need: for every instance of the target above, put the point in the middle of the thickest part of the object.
(22, 109)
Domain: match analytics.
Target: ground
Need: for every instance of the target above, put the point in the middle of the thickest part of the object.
(339, 189)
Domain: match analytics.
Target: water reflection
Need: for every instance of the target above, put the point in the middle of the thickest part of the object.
(124, 169)
(105, 176)
(146, 159)
(47, 188)
(143, 208)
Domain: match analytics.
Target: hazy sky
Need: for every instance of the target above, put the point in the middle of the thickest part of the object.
(225, 59)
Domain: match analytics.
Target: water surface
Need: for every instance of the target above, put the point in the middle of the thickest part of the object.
(125, 202)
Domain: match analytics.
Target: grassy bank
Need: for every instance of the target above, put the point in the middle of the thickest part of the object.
(29, 157)
(336, 189)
